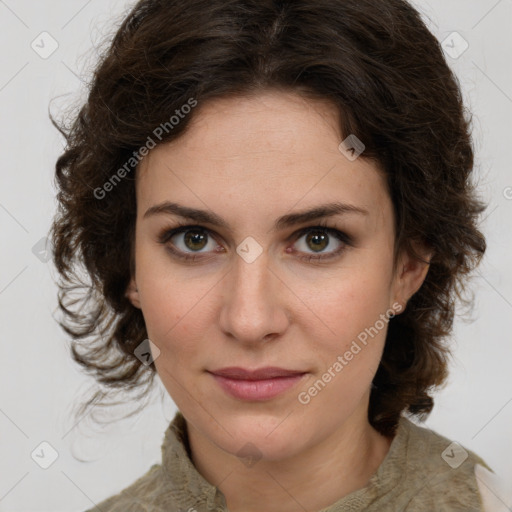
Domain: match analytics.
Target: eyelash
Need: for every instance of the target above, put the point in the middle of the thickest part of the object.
(167, 234)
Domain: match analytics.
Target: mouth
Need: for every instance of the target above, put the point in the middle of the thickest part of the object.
(256, 385)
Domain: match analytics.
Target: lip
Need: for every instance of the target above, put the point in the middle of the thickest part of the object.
(256, 385)
(269, 372)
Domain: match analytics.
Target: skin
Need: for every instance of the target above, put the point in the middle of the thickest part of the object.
(251, 160)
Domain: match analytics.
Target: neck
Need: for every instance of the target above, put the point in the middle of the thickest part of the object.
(311, 480)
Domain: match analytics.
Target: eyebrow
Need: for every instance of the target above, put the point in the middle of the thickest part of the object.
(291, 219)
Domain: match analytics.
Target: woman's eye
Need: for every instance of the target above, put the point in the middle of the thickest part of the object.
(188, 240)
(316, 243)
(322, 241)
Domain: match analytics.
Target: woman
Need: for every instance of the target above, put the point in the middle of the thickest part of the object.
(273, 202)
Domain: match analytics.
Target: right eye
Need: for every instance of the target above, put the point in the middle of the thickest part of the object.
(195, 239)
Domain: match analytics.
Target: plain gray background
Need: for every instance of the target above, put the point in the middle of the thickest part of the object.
(39, 383)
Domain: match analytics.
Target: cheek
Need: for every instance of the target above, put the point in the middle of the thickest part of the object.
(351, 302)
(172, 309)
(357, 314)
(169, 301)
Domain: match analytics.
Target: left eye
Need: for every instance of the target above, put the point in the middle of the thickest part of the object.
(196, 238)
(319, 238)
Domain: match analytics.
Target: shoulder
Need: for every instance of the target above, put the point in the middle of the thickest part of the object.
(140, 496)
(440, 473)
(496, 496)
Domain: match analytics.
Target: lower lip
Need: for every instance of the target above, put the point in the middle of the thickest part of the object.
(257, 390)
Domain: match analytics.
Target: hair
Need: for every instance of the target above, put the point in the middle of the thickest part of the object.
(381, 69)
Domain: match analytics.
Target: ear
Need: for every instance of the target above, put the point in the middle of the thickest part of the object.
(132, 293)
(411, 273)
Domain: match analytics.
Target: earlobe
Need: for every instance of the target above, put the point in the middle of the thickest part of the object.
(132, 293)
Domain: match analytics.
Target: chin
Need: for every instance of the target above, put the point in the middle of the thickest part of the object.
(269, 438)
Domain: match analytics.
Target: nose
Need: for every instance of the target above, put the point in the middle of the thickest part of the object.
(254, 307)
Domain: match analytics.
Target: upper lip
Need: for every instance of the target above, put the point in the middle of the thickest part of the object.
(269, 372)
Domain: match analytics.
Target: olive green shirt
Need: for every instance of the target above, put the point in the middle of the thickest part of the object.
(422, 472)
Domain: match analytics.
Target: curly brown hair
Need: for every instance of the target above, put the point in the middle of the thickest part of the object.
(383, 70)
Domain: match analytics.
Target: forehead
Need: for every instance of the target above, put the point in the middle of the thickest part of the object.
(264, 153)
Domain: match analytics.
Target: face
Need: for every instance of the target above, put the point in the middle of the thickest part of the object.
(255, 285)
